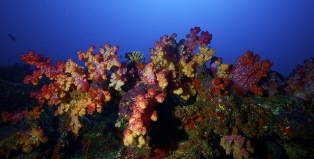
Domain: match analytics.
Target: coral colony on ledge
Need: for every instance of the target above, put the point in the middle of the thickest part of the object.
(173, 106)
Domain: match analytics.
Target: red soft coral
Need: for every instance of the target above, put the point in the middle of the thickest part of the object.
(249, 70)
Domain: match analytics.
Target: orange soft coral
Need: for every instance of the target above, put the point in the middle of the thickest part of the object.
(32, 139)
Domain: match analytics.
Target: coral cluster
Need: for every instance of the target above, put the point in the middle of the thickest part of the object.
(172, 106)
(143, 113)
(19, 115)
(26, 138)
(237, 145)
(31, 139)
(72, 88)
(300, 82)
(144, 106)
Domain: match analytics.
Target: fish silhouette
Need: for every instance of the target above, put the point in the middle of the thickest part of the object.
(11, 37)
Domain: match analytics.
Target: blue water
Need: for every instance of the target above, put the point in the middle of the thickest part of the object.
(281, 31)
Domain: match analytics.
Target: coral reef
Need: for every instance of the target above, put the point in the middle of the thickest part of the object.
(172, 106)
(300, 82)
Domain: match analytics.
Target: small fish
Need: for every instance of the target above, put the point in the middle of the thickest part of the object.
(86, 121)
(11, 37)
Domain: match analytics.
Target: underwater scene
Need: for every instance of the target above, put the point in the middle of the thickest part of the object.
(156, 80)
(172, 106)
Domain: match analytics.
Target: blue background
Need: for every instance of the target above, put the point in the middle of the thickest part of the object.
(280, 30)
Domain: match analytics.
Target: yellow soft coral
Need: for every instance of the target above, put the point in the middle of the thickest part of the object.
(159, 59)
(162, 79)
(185, 91)
(223, 71)
(131, 137)
(204, 55)
(187, 68)
(178, 91)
